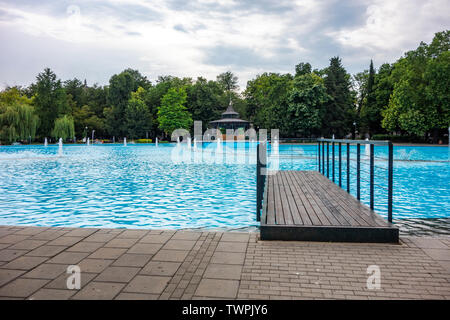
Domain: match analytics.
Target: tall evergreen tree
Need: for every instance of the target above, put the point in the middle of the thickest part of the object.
(370, 114)
(50, 101)
(338, 114)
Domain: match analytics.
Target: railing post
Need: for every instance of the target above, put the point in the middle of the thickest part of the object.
(390, 179)
(372, 176)
(323, 157)
(318, 153)
(258, 184)
(332, 152)
(348, 167)
(328, 159)
(358, 171)
(340, 164)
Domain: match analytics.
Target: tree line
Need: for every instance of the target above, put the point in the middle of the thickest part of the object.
(408, 99)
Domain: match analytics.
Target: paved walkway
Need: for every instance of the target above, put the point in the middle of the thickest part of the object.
(166, 264)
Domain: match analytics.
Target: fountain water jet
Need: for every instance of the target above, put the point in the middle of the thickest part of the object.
(189, 143)
(367, 148)
(178, 141)
(60, 148)
(125, 142)
(195, 144)
(87, 141)
(45, 142)
(156, 142)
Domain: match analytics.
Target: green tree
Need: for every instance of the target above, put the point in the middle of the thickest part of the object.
(120, 88)
(267, 102)
(18, 120)
(64, 128)
(302, 69)
(172, 114)
(338, 113)
(50, 101)
(306, 98)
(370, 113)
(419, 102)
(204, 100)
(138, 115)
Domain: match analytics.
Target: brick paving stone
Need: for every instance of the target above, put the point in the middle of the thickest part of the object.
(61, 281)
(107, 253)
(183, 235)
(99, 291)
(223, 271)
(28, 244)
(85, 246)
(137, 296)
(216, 288)
(100, 237)
(236, 237)
(132, 234)
(147, 284)
(132, 260)
(64, 241)
(46, 271)
(46, 251)
(228, 257)
(94, 265)
(24, 263)
(9, 275)
(232, 246)
(69, 257)
(13, 238)
(179, 244)
(438, 254)
(50, 234)
(121, 243)
(161, 268)
(145, 248)
(52, 294)
(155, 238)
(8, 254)
(22, 288)
(81, 232)
(117, 274)
(170, 255)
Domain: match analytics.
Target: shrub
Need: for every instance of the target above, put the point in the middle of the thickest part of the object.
(143, 141)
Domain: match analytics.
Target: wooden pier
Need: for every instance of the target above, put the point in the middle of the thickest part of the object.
(306, 206)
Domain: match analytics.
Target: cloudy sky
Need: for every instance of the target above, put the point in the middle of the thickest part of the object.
(95, 39)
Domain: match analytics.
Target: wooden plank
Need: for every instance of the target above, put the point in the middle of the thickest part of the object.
(313, 209)
(308, 215)
(332, 221)
(331, 202)
(279, 218)
(296, 218)
(287, 214)
(359, 211)
(270, 201)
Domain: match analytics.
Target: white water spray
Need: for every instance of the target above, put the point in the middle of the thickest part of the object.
(60, 148)
(87, 141)
(195, 144)
(125, 142)
(156, 142)
(45, 142)
(189, 143)
(367, 148)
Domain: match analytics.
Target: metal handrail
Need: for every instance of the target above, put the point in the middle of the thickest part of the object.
(324, 166)
(261, 165)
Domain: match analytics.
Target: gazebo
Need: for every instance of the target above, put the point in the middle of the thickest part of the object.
(230, 120)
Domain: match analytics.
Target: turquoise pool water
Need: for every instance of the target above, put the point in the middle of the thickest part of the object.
(140, 186)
